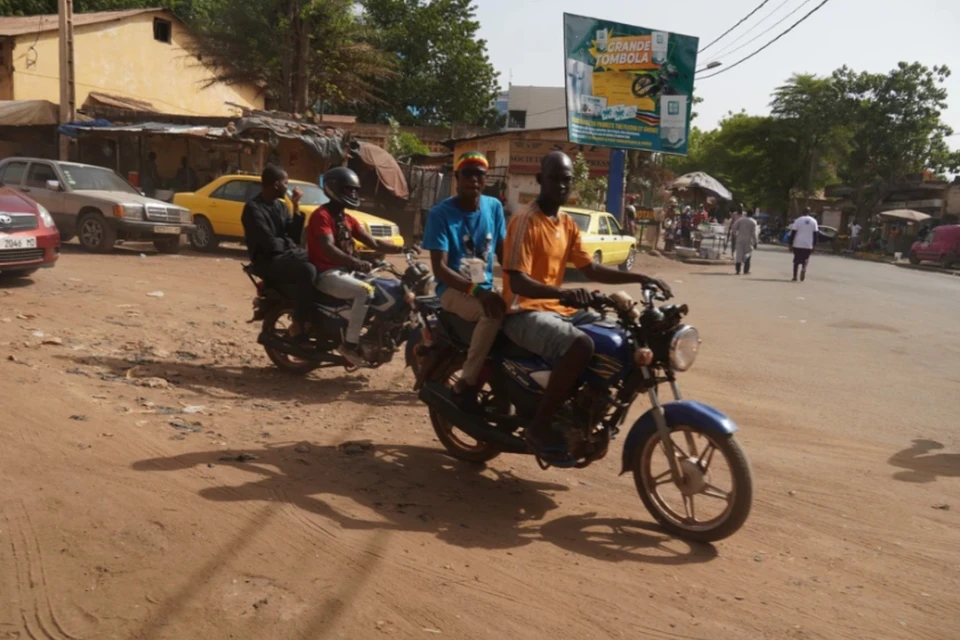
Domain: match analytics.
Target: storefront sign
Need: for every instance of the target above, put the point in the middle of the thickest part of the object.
(525, 155)
(628, 87)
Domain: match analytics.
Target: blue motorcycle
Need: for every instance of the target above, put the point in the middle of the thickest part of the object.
(393, 313)
(690, 471)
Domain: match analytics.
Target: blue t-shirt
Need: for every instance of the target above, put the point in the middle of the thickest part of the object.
(466, 235)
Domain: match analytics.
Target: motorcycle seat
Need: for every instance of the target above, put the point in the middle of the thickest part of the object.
(289, 292)
(461, 332)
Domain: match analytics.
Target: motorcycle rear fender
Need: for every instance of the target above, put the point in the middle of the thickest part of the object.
(684, 412)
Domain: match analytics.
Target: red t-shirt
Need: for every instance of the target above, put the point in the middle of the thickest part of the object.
(322, 223)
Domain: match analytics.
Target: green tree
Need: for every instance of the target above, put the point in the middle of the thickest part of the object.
(403, 143)
(896, 129)
(591, 191)
(814, 117)
(304, 52)
(47, 7)
(443, 72)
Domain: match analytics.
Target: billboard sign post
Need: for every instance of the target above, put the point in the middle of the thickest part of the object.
(628, 87)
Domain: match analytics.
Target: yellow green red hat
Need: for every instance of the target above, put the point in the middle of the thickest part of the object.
(471, 158)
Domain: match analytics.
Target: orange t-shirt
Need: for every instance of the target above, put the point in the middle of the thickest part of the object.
(540, 247)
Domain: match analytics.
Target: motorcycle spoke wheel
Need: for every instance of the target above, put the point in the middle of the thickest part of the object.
(712, 497)
(278, 324)
(457, 443)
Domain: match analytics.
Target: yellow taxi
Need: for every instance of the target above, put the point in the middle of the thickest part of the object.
(217, 208)
(603, 238)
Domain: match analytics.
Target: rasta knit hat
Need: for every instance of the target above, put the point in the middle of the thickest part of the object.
(471, 158)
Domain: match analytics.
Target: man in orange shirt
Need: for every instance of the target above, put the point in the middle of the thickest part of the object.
(543, 317)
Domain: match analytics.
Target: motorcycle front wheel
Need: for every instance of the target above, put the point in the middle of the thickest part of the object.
(277, 321)
(714, 495)
(457, 443)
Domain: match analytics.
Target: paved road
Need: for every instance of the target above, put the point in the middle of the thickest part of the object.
(884, 342)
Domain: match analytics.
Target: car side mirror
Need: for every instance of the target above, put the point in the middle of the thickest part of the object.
(53, 185)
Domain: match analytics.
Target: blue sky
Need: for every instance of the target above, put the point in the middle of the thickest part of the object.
(525, 40)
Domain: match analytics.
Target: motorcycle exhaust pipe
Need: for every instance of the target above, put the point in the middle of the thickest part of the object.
(277, 343)
(437, 396)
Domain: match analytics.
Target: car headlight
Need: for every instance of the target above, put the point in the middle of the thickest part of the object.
(128, 211)
(684, 346)
(394, 230)
(46, 217)
(185, 216)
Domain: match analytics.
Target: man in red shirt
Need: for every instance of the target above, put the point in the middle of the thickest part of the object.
(330, 248)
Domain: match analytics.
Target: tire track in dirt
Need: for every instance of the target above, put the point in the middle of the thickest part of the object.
(38, 616)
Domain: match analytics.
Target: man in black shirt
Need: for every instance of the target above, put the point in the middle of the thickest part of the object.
(272, 237)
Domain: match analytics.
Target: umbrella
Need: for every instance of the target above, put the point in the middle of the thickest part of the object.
(905, 214)
(700, 180)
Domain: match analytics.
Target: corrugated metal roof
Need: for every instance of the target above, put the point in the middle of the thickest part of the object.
(23, 25)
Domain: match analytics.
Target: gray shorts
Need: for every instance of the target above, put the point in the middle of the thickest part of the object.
(545, 333)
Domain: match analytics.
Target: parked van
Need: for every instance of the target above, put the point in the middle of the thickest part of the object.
(942, 245)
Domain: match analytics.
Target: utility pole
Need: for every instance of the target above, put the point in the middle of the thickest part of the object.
(68, 95)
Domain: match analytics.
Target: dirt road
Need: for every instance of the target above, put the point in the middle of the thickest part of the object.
(126, 513)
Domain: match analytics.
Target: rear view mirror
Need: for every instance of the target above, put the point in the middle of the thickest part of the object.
(53, 185)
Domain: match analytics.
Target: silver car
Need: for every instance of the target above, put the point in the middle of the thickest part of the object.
(97, 205)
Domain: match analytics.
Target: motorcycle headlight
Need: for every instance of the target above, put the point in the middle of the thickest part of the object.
(46, 217)
(684, 346)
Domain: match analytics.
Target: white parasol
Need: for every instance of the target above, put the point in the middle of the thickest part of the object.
(905, 214)
(701, 180)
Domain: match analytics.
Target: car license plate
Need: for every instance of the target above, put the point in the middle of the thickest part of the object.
(8, 242)
(170, 230)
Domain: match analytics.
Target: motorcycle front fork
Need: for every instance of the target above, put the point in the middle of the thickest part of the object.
(663, 429)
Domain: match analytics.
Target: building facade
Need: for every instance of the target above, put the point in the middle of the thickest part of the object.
(145, 55)
(535, 107)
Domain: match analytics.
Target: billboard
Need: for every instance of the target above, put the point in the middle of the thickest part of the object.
(628, 87)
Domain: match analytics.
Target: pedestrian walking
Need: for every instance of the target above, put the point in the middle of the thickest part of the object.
(803, 238)
(746, 235)
(854, 235)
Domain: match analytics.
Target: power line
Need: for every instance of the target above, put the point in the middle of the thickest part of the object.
(788, 30)
(726, 47)
(768, 29)
(742, 20)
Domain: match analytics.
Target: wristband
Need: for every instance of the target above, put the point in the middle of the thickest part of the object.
(474, 289)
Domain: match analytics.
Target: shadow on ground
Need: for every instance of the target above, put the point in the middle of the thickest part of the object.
(920, 465)
(415, 489)
(11, 280)
(268, 383)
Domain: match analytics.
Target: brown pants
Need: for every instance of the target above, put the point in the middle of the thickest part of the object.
(470, 309)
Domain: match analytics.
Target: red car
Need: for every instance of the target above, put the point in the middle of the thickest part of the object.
(29, 239)
(942, 245)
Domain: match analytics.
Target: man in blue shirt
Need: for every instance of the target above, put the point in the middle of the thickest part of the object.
(462, 234)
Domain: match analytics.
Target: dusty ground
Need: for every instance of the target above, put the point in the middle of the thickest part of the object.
(120, 516)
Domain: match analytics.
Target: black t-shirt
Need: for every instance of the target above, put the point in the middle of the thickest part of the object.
(269, 229)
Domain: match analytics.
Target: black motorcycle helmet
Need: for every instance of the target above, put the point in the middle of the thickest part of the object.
(342, 185)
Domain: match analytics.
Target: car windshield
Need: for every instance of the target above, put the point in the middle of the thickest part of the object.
(95, 179)
(582, 220)
(313, 196)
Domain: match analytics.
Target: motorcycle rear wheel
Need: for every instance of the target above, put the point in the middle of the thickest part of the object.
(458, 444)
(696, 467)
(278, 321)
